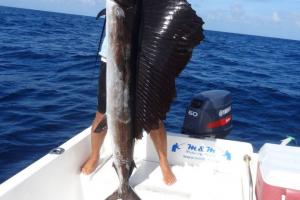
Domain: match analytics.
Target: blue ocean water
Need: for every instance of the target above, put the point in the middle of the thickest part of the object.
(48, 83)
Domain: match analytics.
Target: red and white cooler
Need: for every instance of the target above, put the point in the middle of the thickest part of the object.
(278, 173)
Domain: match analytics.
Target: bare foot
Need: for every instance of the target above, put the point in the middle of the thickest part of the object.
(90, 165)
(168, 176)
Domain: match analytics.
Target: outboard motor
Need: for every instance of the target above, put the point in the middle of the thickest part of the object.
(209, 115)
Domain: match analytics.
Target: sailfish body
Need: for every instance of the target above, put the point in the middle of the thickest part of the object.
(149, 43)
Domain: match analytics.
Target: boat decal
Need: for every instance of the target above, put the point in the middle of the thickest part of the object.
(193, 151)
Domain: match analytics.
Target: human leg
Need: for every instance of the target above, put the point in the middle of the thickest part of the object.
(97, 137)
(159, 138)
(96, 143)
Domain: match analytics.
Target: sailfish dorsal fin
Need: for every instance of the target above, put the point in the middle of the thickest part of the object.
(170, 31)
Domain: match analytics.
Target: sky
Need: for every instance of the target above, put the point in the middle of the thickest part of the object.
(273, 18)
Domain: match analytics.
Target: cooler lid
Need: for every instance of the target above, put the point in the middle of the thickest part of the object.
(280, 165)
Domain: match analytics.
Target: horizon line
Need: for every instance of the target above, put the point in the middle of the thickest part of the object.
(68, 13)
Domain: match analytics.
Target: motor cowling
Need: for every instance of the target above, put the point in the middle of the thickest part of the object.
(209, 115)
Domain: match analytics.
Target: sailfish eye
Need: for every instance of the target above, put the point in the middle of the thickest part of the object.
(119, 12)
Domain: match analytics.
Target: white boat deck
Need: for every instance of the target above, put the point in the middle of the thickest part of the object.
(205, 169)
(192, 183)
(214, 179)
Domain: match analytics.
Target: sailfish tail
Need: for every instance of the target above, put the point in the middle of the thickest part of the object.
(128, 195)
(170, 30)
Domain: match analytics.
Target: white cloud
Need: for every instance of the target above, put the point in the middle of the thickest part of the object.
(217, 15)
(91, 2)
(275, 17)
(237, 11)
(296, 18)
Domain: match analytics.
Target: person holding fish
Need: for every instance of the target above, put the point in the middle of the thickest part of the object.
(158, 136)
(147, 45)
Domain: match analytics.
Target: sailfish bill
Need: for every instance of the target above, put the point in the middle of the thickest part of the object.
(149, 43)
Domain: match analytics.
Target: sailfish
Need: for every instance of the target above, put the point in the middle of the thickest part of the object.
(149, 44)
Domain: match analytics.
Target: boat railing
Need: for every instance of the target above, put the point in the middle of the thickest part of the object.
(247, 159)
